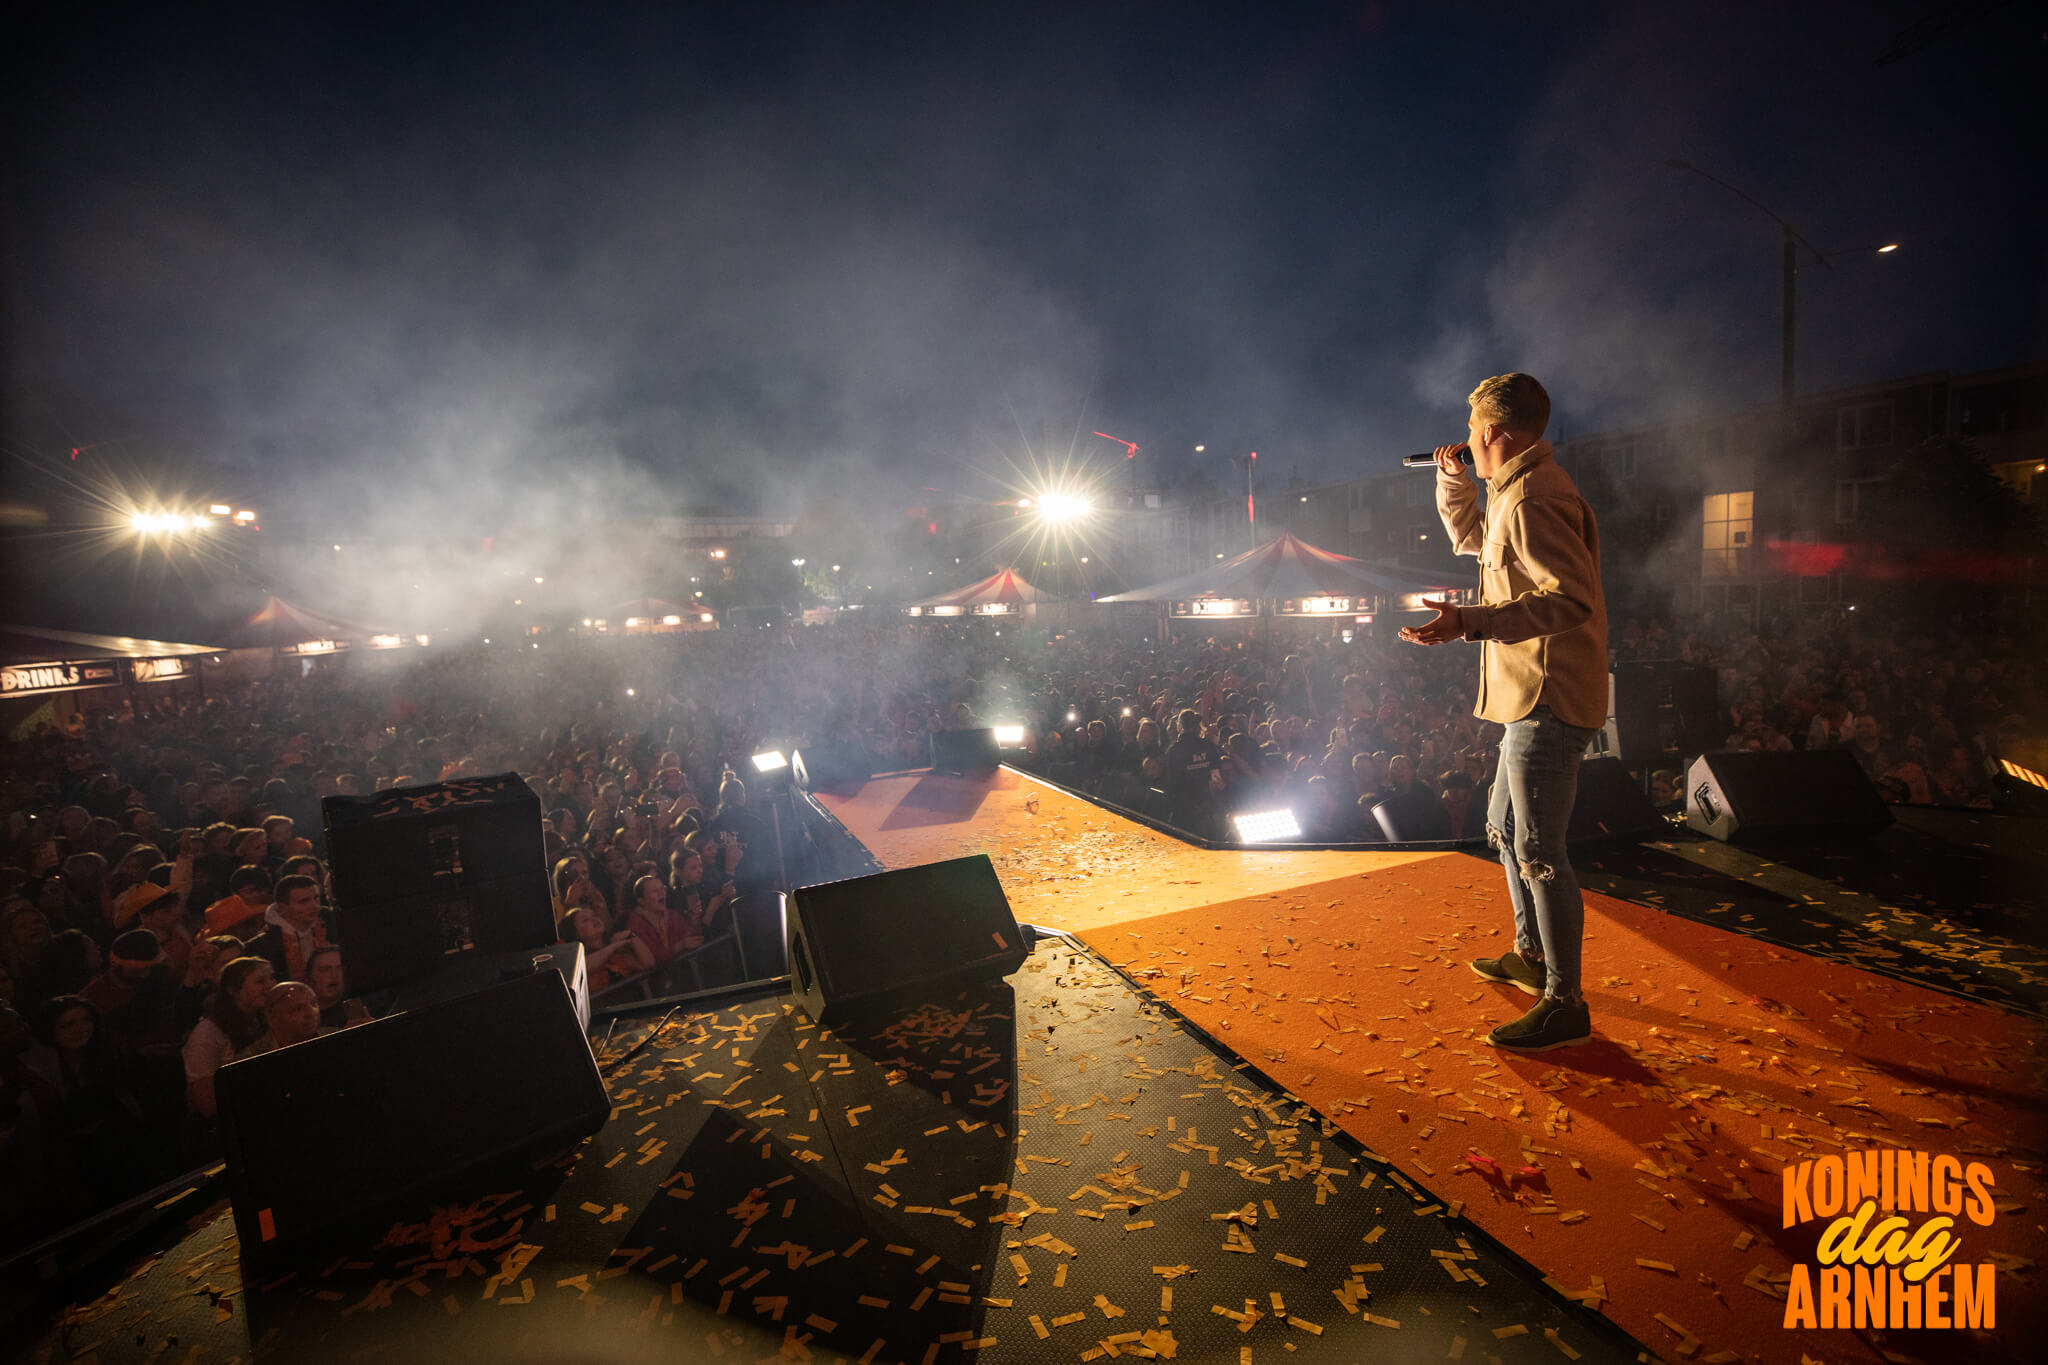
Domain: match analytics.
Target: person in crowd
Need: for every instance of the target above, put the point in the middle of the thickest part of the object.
(67, 962)
(1194, 775)
(615, 883)
(748, 843)
(609, 957)
(324, 973)
(1832, 725)
(134, 964)
(1417, 813)
(294, 927)
(662, 929)
(95, 1123)
(1457, 804)
(24, 933)
(307, 865)
(1868, 747)
(210, 953)
(1959, 781)
(1542, 624)
(690, 892)
(233, 1023)
(291, 1014)
(242, 911)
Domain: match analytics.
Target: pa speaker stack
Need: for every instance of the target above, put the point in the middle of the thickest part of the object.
(422, 874)
(881, 941)
(841, 766)
(1751, 794)
(1661, 708)
(347, 1123)
(442, 908)
(965, 751)
(1611, 805)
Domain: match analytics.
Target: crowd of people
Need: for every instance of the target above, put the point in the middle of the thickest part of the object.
(165, 908)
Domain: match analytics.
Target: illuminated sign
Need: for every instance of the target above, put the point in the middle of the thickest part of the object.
(945, 611)
(1318, 606)
(997, 608)
(59, 677)
(158, 670)
(915, 611)
(1214, 606)
(315, 647)
(386, 641)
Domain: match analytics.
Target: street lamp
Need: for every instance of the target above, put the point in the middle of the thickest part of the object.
(1793, 241)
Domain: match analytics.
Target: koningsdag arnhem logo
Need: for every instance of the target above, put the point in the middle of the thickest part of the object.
(1887, 1258)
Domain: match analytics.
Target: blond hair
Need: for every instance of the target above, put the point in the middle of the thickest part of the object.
(1515, 401)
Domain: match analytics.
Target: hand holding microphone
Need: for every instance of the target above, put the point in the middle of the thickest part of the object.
(1451, 459)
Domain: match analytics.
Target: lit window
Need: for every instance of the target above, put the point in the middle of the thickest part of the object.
(1726, 524)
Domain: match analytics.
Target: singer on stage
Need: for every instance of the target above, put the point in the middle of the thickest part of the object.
(1542, 628)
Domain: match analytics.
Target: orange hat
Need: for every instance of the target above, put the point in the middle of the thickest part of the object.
(137, 899)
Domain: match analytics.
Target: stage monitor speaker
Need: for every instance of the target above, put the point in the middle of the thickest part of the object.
(421, 873)
(1750, 794)
(1418, 822)
(467, 973)
(1611, 804)
(965, 751)
(347, 1123)
(883, 940)
(839, 766)
(1662, 708)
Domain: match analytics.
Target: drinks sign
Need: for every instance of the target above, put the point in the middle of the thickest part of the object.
(30, 679)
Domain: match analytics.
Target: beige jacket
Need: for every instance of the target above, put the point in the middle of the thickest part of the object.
(1543, 623)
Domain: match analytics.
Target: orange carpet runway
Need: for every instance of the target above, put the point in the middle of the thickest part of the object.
(1641, 1169)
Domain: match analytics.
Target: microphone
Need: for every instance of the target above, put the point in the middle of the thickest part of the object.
(1429, 458)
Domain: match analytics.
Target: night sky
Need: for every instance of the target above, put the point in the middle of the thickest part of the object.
(428, 265)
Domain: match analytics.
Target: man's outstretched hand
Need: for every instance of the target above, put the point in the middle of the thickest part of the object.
(1447, 626)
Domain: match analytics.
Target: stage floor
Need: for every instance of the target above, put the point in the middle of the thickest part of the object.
(1751, 1009)
(1052, 1167)
(1286, 1043)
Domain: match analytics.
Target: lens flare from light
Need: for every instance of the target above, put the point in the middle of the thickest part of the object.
(1266, 827)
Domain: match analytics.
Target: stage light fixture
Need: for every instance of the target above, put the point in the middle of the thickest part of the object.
(2026, 775)
(1011, 735)
(1266, 827)
(770, 761)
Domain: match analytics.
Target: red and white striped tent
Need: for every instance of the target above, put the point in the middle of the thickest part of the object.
(291, 629)
(1287, 576)
(1003, 593)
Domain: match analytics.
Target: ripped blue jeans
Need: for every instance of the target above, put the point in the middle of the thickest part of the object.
(1527, 817)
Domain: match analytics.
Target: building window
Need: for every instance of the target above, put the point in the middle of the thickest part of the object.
(1863, 426)
(1726, 523)
(1818, 589)
(1852, 497)
(1419, 493)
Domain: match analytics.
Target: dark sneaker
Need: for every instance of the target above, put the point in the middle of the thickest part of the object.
(1514, 969)
(1551, 1024)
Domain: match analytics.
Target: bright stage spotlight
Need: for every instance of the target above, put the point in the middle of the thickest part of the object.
(1266, 826)
(770, 761)
(1062, 507)
(1010, 735)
